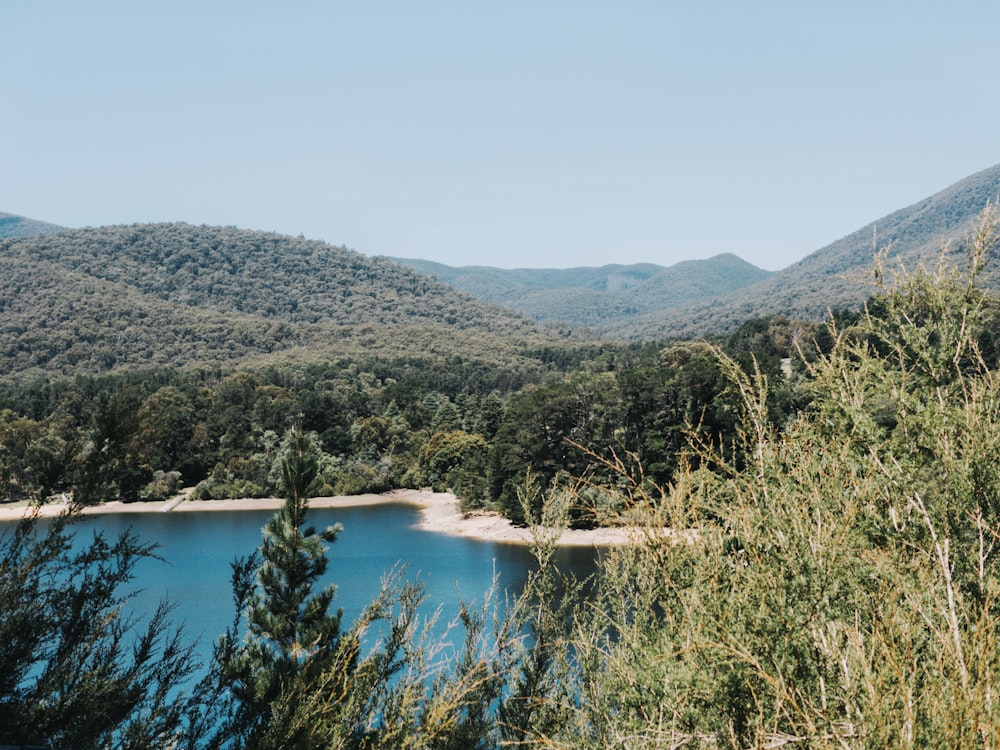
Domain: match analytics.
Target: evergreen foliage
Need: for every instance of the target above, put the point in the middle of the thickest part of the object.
(814, 564)
(78, 668)
(476, 430)
(499, 686)
(125, 298)
(291, 636)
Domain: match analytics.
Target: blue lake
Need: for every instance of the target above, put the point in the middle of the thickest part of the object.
(198, 547)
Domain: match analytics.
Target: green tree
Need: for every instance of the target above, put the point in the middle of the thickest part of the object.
(291, 635)
(107, 465)
(275, 408)
(502, 685)
(230, 418)
(17, 435)
(167, 430)
(456, 460)
(540, 434)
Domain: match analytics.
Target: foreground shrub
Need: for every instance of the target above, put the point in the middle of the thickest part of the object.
(837, 587)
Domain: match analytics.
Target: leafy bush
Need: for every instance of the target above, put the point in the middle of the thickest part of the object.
(165, 485)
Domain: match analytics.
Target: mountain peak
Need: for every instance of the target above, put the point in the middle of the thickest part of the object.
(12, 225)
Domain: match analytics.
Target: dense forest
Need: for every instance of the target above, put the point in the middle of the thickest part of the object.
(814, 560)
(142, 360)
(714, 296)
(835, 276)
(12, 225)
(468, 426)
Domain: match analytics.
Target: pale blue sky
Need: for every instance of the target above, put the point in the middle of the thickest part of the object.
(515, 134)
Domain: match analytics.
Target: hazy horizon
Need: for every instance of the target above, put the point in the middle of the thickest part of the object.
(519, 136)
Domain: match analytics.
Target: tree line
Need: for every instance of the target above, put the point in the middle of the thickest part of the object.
(463, 425)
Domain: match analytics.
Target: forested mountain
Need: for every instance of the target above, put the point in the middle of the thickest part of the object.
(12, 225)
(833, 276)
(129, 297)
(90, 300)
(604, 298)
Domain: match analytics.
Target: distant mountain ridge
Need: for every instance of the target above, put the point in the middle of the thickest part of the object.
(698, 298)
(12, 225)
(601, 299)
(833, 276)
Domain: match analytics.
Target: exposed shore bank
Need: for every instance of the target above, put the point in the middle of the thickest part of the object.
(439, 513)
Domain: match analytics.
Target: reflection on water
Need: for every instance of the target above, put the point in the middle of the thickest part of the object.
(197, 549)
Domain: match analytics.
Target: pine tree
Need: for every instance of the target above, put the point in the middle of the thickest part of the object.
(291, 636)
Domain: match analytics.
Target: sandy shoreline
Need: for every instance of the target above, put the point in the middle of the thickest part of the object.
(439, 512)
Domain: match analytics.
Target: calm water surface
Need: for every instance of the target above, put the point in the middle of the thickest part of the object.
(198, 547)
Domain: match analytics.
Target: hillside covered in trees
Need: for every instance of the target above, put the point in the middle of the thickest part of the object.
(475, 427)
(169, 295)
(837, 275)
(286, 294)
(814, 504)
(138, 359)
(712, 297)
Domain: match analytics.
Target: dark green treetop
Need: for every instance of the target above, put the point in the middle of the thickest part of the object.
(291, 635)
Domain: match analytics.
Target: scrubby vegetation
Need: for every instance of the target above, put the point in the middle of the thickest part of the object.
(76, 669)
(837, 586)
(829, 584)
